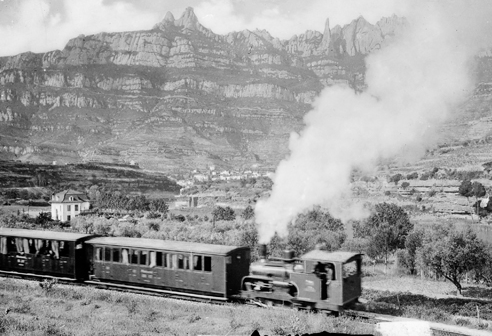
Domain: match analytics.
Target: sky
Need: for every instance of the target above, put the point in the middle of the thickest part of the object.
(44, 25)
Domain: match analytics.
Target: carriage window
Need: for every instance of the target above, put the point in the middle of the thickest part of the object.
(19, 247)
(11, 245)
(153, 261)
(116, 255)
(3, 245)
(143, 257)
(330, 269)
(134, 257)
(124, 256)
(197, 262)
(349, 269)
(64, 249)
(183, 262)
(107, 254)
(158, 258)
(173, 261)
(98, 255)
(207, 264)
(27, 248)
(165, 260)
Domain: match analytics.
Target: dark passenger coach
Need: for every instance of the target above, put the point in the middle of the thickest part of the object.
(44, 253)
(193, 268)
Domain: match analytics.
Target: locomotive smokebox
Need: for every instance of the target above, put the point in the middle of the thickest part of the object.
(262, 251)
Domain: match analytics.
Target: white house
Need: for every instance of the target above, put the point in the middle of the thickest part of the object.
(67, 204)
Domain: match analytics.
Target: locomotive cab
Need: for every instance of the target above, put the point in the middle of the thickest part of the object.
(331, 281)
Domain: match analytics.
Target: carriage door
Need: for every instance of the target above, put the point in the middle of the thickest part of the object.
(216, 264)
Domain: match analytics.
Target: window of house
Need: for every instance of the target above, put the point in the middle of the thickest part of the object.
(107, 254)
(134, 257)
(76, 207)
(69, 217)
(207, 264)
(69, 207)
(197, 262)
(143, 257)
(116, 255)
(98, 254)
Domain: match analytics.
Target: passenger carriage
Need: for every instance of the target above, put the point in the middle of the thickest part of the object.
(43, 253)
(194, 268)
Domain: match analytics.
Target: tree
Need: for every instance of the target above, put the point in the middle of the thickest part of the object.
(451, 254)
(386, 229)
(405, 185)
(478, 190)
(158, 205)
(315, 227)
(466, 188)
(220, 213)
(248, 212)
(413, 176)
(408, 256)
(396, 178)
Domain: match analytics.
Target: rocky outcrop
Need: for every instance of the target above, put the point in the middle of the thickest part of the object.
(197, 97)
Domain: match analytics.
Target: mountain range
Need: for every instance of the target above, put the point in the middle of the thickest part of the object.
(179, 97)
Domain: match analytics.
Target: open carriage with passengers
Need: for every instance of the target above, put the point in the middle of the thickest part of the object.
(43, 253)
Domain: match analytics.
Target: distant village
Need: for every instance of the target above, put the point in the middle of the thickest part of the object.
(212, 175)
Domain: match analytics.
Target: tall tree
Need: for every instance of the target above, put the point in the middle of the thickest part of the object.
(451, 254)
(386, 229)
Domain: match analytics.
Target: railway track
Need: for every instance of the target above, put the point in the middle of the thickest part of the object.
(437, 329)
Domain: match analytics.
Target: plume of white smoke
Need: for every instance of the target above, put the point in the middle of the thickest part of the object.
(411, 86)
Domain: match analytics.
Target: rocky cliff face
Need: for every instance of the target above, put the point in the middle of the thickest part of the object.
(178, 95)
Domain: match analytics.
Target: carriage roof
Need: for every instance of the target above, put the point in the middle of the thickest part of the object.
(39, 234)
(167, 245)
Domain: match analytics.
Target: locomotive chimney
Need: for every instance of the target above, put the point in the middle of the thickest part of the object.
(289, 255)
(262, 251)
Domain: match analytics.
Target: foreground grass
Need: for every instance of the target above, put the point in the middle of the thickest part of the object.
(28, 309)
(429, 300)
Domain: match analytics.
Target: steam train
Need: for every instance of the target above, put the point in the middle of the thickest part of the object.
(317, 280)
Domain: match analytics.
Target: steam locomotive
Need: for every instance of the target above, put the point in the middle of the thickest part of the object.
(327, 281)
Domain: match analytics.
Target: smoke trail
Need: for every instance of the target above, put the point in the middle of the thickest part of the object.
(411, 86)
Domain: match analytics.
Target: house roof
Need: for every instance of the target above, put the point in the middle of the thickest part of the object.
(166, 245)
(63, 196)
(38, 234)
(340, 256)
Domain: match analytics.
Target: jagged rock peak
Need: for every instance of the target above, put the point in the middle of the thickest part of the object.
(188, 20)
(169, 18)
(325, 42)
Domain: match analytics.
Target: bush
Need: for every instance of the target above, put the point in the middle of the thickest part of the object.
(220, 213)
